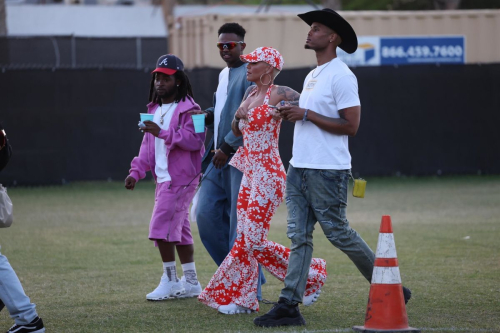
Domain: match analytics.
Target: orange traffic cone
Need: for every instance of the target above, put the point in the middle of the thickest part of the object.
(386, 311)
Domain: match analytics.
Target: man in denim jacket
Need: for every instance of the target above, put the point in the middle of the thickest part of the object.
(218, 194)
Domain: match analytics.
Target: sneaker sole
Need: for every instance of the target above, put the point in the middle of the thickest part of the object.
(171, 296)
(189, 295)
(282, 322)
(313, 299)
(41, 330)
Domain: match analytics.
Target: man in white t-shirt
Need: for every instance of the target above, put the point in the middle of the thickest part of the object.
(318, 176)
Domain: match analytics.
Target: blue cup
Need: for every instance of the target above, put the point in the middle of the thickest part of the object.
(199, 123)
(146, 116)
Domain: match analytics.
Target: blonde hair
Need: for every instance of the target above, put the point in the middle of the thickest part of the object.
(275, 72)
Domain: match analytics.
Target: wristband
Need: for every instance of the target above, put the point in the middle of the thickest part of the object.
(226, 149)
(304, 119)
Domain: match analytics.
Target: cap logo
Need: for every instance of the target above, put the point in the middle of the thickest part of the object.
(164, 62)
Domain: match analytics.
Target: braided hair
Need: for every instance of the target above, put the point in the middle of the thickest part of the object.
(183, 90)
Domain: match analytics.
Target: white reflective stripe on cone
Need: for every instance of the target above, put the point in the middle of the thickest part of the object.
(386, 248)
(386, 275)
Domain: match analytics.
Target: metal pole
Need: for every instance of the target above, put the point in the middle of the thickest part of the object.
(138, 48)
(73, 51)
(56, 51)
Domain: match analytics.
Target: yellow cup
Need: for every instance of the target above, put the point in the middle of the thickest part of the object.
(358, 190)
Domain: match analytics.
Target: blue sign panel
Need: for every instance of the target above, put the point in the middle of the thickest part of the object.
(418, 50)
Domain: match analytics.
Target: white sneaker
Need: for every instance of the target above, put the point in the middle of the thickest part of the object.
(191, 290)
(311, 299)
(233, 309)
(165, 290)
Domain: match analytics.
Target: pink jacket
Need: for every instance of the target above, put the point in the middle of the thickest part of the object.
(185, 147)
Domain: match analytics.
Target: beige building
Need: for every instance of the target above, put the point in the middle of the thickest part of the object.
(193, 38)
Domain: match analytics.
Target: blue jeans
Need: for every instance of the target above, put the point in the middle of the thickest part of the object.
(12, 295)
(216, 213)
(319, 196)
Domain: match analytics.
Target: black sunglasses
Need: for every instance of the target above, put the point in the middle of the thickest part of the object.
(228, 45)
(3, 139)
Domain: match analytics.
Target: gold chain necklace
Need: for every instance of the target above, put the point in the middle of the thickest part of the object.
(163, 114)
(320, 70)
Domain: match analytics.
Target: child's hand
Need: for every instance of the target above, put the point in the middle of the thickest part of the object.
(130, 183)
(151, 127)
(198, 112)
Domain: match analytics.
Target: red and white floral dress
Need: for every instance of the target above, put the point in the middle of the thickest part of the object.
(261, 192)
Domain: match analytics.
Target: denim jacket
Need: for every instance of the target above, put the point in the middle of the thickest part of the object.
(226, 141)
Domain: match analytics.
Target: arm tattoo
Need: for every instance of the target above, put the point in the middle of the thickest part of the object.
(249, 90)
(288, 94)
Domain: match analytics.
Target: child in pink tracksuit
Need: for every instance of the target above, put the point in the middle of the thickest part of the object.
(172, 151)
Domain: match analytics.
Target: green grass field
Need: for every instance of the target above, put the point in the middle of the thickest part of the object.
(82, 254)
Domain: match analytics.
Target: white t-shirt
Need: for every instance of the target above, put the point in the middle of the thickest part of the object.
(161, 153)
(220, 100)
(333, 87)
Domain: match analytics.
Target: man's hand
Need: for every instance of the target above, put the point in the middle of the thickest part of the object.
(151, 127)
(219, 159)
(130, 183)
(291, 113)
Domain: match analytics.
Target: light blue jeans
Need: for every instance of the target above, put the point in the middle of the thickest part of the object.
(319, 196)
(13, 296)
(216, 213)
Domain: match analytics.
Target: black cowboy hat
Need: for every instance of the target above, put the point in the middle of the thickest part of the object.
(334, 21)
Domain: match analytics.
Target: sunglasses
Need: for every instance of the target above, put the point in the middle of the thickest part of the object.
(228, 45)
(3, 139)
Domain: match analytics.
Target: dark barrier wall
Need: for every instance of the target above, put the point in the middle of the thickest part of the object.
(75, 124)
(80, 52)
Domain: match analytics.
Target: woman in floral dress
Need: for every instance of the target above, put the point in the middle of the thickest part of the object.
(233, 288)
